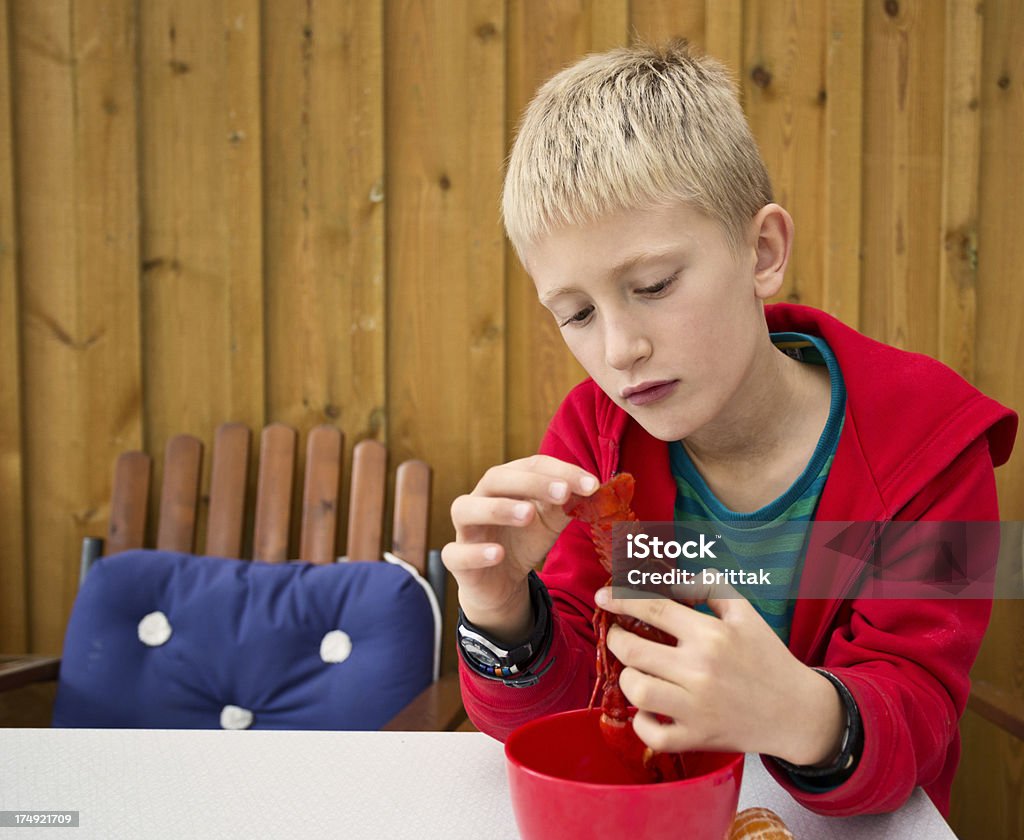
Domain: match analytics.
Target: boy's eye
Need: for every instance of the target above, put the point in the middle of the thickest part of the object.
(578, 318)
(660, 286)
(654, 290)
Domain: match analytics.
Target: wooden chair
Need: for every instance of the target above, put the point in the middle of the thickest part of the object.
(439, 707)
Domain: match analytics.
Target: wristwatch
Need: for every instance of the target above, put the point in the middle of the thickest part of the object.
(510, 665)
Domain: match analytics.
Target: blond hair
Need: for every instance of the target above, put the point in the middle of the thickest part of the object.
(633, 128)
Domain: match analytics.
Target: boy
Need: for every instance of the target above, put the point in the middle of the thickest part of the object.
(637, 200)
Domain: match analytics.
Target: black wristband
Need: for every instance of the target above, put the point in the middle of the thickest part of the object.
(850, 750)
(506, 664)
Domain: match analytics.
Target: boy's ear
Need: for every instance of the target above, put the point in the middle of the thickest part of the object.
(773, 229)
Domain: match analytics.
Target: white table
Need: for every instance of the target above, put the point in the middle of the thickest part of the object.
(451, 785)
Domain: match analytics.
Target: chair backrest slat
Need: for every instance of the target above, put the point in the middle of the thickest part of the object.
(320, 494)
(229, 471)
(274, 493)
(321, 501)
(366, 500)
(128, 502)
(179, 495)
(412, 505)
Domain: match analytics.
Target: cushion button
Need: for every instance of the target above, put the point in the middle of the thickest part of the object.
(235, 717)
(335, 646)
(154, 629)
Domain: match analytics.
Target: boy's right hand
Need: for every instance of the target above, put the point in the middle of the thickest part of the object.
(503, 529)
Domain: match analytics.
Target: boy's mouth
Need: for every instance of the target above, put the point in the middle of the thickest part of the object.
(648, 392)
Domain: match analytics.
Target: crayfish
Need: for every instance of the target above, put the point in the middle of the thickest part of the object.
(609, 504)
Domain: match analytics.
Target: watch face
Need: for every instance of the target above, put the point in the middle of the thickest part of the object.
(479, 652)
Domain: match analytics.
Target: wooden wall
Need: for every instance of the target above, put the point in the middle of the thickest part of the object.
(288, 210)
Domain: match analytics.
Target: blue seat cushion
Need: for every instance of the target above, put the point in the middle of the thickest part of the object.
(246, 635)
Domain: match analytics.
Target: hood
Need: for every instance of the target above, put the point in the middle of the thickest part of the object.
(908, 416)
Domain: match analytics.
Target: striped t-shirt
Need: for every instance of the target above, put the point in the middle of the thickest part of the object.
(773, 537)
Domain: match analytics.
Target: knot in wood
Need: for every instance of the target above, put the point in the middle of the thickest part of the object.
(760, 76)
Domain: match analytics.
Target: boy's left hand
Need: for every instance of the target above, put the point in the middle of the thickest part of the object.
(729, 684)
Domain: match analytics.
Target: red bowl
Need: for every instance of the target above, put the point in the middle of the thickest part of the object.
(568, 785)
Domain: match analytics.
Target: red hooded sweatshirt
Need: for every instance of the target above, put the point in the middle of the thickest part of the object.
(918, 443)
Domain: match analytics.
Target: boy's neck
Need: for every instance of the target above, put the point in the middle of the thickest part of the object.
(773, 423)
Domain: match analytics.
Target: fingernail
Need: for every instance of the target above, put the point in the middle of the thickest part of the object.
(490, 554)
(522, 511)
(602, 596)
(588, 484)
(558, 490)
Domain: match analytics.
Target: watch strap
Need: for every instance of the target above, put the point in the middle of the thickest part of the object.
(510, 664)
(850, 749)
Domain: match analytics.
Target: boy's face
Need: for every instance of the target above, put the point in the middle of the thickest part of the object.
(659, 311)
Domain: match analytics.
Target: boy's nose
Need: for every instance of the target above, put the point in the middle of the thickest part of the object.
(625, 347)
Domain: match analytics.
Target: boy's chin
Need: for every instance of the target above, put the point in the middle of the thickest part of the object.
(660, 428)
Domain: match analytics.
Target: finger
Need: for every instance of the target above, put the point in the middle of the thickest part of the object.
(670, 737)
(724, 600)
(650, 657)
(540, 478)
(713, 589)
(652, 694)
(469, 511)
(696, 592)
(581, 481)
(675, 619)
(460, 557)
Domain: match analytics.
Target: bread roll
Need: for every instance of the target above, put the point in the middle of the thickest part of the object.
(759, 824)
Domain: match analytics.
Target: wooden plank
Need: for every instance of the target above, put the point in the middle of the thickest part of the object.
(438, 708)
(274, 493)
(904, 95)
(445, 147)
(784, 84)
(28, 707)
(13, 579)
(989, 791)
(998, 706)
(18, 671)
(843, 170)
(366, 501)
(608, 22)
(44, 135)
(723, 33)
(989, 787)
(412, 514)
(656, 21)
(542, 39)
(201, 197)
(961, 150)
(75, 132)
(320, 495)
(446, 143)
(323, 81)
(129, 502)
(986, 800)
(1000, 297)
(179, 494)
(228, 490)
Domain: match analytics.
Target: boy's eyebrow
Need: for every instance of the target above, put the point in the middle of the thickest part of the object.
(623, 267)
